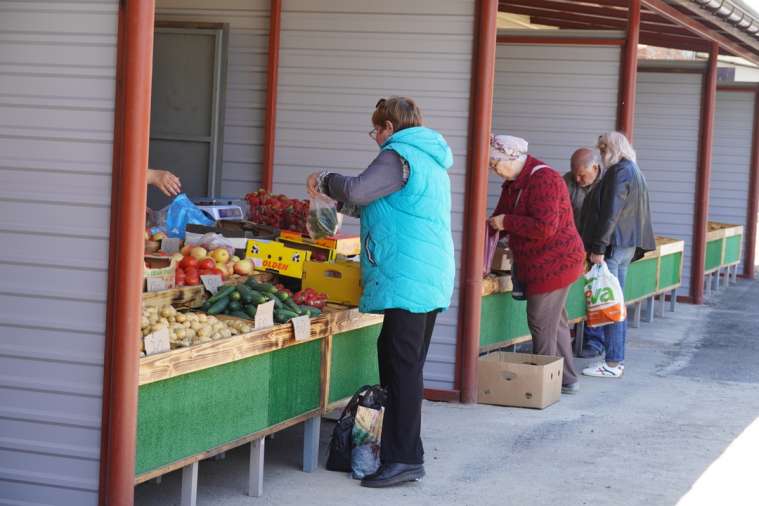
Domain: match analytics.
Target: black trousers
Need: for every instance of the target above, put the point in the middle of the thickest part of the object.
(402, 349)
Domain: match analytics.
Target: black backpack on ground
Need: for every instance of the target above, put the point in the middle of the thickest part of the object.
(341, 443)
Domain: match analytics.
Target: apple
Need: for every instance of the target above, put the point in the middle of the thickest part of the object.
(198, 253)
(243, 267)
(220, 255)
(147, 235)
(177, 257)
(234, 259)
(185, 251)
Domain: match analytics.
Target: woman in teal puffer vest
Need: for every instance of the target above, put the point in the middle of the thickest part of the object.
(407, 266)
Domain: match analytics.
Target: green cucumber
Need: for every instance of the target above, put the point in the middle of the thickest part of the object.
(205, 307)
(236, 295)
(251, 310)
(283, 296)
(312, 311)
(284, 316)
(278, 304)
(261, 287)
(291, 305)
(234, 305)
(219, 306)
(240, 314)
(258, 297)
(223, 292)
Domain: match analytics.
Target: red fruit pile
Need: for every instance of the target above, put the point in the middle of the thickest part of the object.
(189, 270)
(278, 211)
(311, 297)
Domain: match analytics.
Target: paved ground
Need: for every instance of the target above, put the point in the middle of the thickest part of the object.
(691, 389)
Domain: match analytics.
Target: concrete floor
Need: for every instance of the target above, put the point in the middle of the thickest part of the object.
(690, 389)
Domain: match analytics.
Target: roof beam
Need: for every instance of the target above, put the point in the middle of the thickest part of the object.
(701, 30)
(718, 22)
(578, 8)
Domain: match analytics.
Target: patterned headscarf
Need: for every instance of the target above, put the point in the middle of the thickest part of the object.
(507, 147)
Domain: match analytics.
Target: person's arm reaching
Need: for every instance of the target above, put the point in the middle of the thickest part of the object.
(165, 181)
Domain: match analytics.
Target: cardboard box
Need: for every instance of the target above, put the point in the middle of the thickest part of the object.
(273, 256)
(160, 273)
(501, 260)
(346, 245)
(519, 379)
(340, 280)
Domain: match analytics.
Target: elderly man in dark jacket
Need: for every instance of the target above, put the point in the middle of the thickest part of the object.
(616, 229)
(584, 175)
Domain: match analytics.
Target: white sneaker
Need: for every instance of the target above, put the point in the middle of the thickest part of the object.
(604, 370)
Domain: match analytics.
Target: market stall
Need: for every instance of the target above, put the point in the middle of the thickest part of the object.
(724, 244)
(657, 275)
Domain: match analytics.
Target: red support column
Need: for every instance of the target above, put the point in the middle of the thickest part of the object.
(272, 82)
(629, 72)
(480, 122)
(125, 260)
(701, 214)
(749, 266)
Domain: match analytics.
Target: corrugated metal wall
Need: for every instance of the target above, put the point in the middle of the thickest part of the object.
(731, 161)
(57, 95)
(336, 60)
(666, 139)
(246, 82)
(557, 97)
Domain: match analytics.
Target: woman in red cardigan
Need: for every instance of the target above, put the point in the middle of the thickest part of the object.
(548, 255)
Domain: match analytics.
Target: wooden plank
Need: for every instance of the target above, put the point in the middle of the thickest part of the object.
(226, 447)
(203, 356)
(670, 246)
(326, 372)
(192, 296)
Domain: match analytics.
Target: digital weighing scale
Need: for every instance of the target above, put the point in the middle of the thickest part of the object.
(221, 209)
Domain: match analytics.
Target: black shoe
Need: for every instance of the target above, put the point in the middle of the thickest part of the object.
(589, 353)
(389, 475)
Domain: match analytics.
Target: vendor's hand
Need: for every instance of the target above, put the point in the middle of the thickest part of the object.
(496, 222)
(596, 259)
(312, 184)
(165, 181)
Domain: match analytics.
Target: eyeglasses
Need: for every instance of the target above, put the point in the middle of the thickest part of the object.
(373, 133)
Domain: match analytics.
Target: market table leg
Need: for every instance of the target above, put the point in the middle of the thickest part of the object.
(709, 283)
(725, 276)
(650, 302)
(190, 485)
(659, 310)
(311, 428)
(735, 273)
(635, 322)
(673, 300)
(256, 470)
(579, 337)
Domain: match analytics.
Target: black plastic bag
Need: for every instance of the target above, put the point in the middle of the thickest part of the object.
(341, 443)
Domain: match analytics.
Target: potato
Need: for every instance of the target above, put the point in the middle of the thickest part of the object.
(181, 333)
(190, 334)
(187, 324)
(180, 318)
(153, 319)
(157, 327)
(196, 326)
(215, 336)
(145, 321)
(204, 332)
(202, 318)
(167, 311)
(226, 333)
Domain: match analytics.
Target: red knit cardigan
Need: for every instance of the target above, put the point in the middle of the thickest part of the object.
(548, 252)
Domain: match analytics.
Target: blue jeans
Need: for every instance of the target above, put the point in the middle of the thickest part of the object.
(612, 337)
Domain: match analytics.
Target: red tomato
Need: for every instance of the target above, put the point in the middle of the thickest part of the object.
(206, 264)
(188, 262)
(191, 272)
(218, 271)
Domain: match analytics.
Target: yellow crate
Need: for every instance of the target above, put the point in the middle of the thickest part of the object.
(273, 256)
(341, 280)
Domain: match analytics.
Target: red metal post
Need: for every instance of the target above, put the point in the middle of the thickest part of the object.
(752, 221)
(128, 201)
(701, 213)
(480, 121)
(272, 80)
(629, 75)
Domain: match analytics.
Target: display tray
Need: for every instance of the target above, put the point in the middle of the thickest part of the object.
(336, 319)
(187, 297)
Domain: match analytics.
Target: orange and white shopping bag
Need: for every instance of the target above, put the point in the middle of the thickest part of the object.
(604, 296)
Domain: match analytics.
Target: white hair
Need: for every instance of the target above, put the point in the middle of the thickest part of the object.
(615, 147)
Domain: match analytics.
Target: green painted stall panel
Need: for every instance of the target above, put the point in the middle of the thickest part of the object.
(713, 255)
(183, 416)
(576, 306)
(354, 362)
(669, 271)
(732, 249)
(641, 279)
(502, 319)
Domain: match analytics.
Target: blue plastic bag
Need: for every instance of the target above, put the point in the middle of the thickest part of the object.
(180, 213)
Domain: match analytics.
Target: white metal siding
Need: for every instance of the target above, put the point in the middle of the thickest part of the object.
(337, 58)
(557, 97)
(57, 95)
(246, 82)
(731, 160)
(667, 122)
